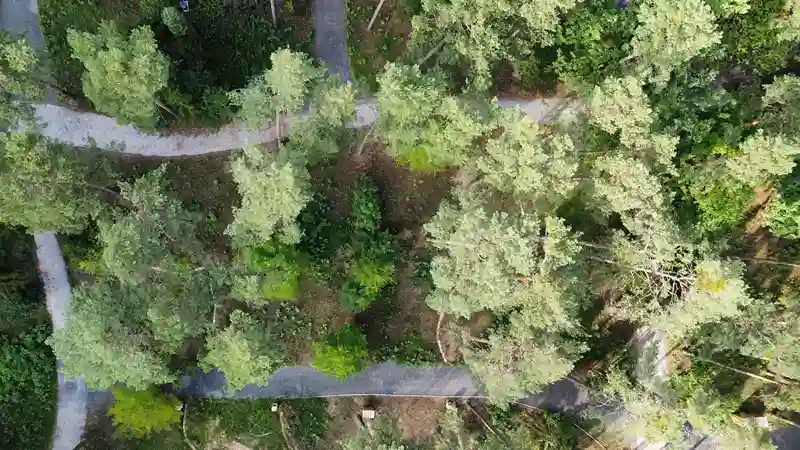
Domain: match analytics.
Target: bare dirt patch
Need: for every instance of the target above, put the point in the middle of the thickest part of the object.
(416, 418)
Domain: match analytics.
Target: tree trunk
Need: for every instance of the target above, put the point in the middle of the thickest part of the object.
(375, 15)
(278, 128)
(274, 17)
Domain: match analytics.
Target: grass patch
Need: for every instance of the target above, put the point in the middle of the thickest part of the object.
(370, 50)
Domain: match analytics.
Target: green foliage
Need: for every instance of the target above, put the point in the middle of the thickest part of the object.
(43, 187)
(542, 432)
(592, 40)
(483, 32)
(721, 203)
(175, 21)
(280, 90)
(752, 40)
(670, 33)
(139, 413)
(216, 421)
(369, 255)
(247, 351)
(310, 419)
(18, 66)
(423, 125)
(27, 390)
(382, 435)
(274, 189)
(411, 351)
(341, 353)
(115, 64)
(272, 272)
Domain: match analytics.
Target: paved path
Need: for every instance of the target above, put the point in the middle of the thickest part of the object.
(82, 129)
(22, 16)
(330, 40)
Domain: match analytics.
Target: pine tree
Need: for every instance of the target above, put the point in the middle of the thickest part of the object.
(18, 82)
(670, 33)
(486, 31)
(124, 74)
(274, 188)
(42, 187)
(424, 126)
(245, 351)
(280, 90)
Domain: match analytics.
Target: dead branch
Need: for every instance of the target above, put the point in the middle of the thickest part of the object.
(285, 430)
(739, 371)
(438, 339)
(485, 424)
(183, 426)
(375, 15)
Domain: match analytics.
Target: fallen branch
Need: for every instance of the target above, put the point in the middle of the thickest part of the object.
(739, 371)
(285, 430)
(488, 427)
(438, 340)
(183, 426)
(375, 15)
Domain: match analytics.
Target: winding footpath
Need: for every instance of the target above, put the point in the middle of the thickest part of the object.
(87, 129)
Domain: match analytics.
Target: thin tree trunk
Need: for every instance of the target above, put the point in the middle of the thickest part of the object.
(274, 17)
(278, 127)
(363, 143)
(375, 15)
(433, 51)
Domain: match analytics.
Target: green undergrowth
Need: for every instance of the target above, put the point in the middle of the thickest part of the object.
(28, 391)
(225, 45)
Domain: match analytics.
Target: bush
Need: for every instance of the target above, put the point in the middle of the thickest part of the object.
(139, 413)
(342, 352)
(27, 390)
(175, 21)
(782, 217)
(412, 351)
(273, 274)
(721, 203)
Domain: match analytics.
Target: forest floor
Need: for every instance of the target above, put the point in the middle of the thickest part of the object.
(409, 199)
(370, 50)
(228, 41)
